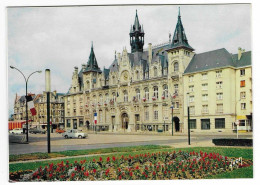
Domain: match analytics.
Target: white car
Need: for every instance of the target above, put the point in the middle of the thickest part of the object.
(72, 133)
(16, 131)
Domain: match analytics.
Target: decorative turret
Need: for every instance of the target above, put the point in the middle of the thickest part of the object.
(179, 38)
(136, 36)
(92, 65)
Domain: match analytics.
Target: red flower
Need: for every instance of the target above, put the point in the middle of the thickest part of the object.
(154, 173)
(131, 174)
(183, 170)
(137, 167)
(86, 174)
(72, 175)
(100, 159)
(108, 159)
(94, 160)
(113, 158)
(38, 177)
(94, 170)
(119, 177)
(75, 161)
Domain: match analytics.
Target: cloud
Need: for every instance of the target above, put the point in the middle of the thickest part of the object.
(59, 38)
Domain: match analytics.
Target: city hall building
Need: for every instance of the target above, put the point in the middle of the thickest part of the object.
(144, 89)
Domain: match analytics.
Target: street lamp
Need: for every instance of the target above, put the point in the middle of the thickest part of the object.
(48, 90)
(26, 107)
(188, 106)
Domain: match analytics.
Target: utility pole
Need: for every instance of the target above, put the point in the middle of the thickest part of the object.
(188, 107)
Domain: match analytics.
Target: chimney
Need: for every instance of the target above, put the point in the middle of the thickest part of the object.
(240, 52)
(150, 52)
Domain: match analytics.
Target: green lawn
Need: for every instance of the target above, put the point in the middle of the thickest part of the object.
(246, 153)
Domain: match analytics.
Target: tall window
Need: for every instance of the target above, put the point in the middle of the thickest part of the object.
(243, 106)
(68, 123)
(100, 98)
(219, 85)
(146, 113)
(137, 94)
(165, 90)
(125, 96)
(146, 91)
(205, 86)
(165, 71)
(205, 109)
(191, 98)
(137, 75)
(242, 95)
(114, 96)
(242, 83)
(176, 88)
(219, 74)
(80, 122)
(100, 116)
(146, 75)
(205, 124)
(192, 110)
(191, 78)
(155, 111)
(155, 92)
(176, 66)
(205, 97)
(204, 76)
(191, 88)
(155, 72)
(219, 123)
(107, 97)
(219, 96)
(242, 72)
(220, 108)
(193, 124)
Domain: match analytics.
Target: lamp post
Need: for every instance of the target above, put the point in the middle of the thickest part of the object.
(48, 89)
(188, 106)
(26, 107)
(172, 119)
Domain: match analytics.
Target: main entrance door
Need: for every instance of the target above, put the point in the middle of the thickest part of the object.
(176, 124)
(125, 121)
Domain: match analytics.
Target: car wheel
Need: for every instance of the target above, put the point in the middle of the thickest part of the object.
(66, 137)
(80, 136)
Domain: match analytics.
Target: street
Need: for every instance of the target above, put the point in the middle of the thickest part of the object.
(38, 142)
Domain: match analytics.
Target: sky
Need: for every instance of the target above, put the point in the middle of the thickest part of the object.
(59, 38)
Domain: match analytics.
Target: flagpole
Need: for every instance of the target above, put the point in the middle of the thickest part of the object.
(26, 106)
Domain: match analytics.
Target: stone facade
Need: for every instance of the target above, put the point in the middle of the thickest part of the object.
(143, 90)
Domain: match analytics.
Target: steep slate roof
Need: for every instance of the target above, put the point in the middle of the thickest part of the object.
(217, 59)
(114, 66)
(106, 73)
(92, 64)
(210, 60)
(245, 59)
(179, 37)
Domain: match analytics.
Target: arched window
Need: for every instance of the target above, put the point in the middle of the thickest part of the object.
(155, 72)
(100, 98)
(146, 93)
(114, 96)
(165, 71)
(146, 75)
(107, 98)
(125, 96)
(137, 75)
(155, 92)
(165, 90)
(137, 94)
(176, 66)
(94, 99)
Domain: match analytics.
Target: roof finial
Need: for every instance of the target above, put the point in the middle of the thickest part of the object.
(91, 44)
(179, 12)
(136, 11)
(115, 54)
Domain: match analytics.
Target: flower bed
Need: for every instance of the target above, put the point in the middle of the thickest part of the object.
(165, 165)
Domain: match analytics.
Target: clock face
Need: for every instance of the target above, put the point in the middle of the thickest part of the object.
(125, 76)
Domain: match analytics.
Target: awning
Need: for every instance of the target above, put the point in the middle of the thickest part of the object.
(241, 117)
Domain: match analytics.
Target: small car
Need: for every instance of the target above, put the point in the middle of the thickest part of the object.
(36, 131)
(16, 131)
(59, 131)
(72, 133)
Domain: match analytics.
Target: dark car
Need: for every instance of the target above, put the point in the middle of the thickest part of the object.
(36, 131)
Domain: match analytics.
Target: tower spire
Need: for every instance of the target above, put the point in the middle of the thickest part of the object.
(92, 65)
(179, 38)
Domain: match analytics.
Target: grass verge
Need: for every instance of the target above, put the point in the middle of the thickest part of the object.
(35, 156)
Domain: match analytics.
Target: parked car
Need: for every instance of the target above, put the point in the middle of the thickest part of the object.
(16, 131)
(72, 133)
(59, 131)
(36, 131)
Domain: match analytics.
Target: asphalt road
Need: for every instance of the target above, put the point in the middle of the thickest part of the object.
(17, 148)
